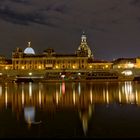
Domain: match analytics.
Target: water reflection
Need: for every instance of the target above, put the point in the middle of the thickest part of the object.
(85, 115)
(29, 114)
(81, 96)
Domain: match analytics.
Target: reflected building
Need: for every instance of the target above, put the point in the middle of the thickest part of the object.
(68, 94)
(51, 96)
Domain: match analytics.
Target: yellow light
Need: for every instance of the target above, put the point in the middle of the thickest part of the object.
(56, 66)
(90, 66)
(119, 67)
(6, 67)
(73, 66)
(30, 73)
(106, 66)
(22, 67)
(130, 65)
(39, 67)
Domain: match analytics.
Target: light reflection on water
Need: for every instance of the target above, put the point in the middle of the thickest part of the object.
(31, 99)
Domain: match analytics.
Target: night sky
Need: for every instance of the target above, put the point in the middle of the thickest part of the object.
(112, 26)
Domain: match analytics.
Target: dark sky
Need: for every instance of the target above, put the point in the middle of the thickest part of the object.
(112, 26)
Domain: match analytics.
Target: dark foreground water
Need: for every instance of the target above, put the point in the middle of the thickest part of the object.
(67, 110)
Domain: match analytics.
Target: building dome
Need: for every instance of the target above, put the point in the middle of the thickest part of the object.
(29, 49)
(84, 46)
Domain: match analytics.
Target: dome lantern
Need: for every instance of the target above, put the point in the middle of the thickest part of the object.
(29, 49)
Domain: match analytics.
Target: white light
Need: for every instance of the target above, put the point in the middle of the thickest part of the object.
(127, 72)
(79, 88)
(130, 65)
(62, 76)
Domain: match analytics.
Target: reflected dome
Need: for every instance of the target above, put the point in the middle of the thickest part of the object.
(29, 49)
(29, 114)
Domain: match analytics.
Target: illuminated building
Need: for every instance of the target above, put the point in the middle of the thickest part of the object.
(5, 64)
(82, 59)
(51, 64)
(124, 63)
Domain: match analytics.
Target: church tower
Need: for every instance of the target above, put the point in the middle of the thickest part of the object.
(83, 49)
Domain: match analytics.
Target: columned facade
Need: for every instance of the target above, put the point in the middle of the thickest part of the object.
(27, 59)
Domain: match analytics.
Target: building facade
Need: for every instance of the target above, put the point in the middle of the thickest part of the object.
(83, 59)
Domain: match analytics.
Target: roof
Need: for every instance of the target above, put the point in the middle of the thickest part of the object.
(29, 50)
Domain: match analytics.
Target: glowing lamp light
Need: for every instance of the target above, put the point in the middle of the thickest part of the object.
(90, 66)
(56, 66)
(39, 67)
(22, 67)
(106, 66)
(6, 67)
(119, 67)
(62, 76)
(73, 66)
(79, 73)
(30, 73)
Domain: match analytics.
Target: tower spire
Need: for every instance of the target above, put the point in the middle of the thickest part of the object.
(29, 44)
(83, 49)
(83, 38)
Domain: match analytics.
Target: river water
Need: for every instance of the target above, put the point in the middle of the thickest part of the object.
(70, 110)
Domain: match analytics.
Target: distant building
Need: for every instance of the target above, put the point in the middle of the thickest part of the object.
(124, 63)
(5, 63)
(81, 60)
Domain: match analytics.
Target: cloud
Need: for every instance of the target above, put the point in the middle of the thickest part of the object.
(9, 15)
(66, 14)
(135, 2)
(21, 1)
